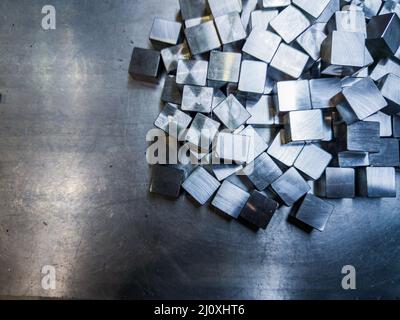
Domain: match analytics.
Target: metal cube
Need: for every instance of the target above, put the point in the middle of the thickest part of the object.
(348, 21)
(201, 185)
(311, 40)
(353, 159)
(337, 183)
(220, 8)
(285, 153)
(224, 66)
(261, 110)
(257, 143)
(262, 44)
(332, 7)
(172, 120)
(230, 28)
(290, 23)
(171, 92)
(252, 76)
(231, 113)
(312, 161)
(145, 64)
(314, 9)
(377, 182)
(197, 99)
(258, 211)
(232, 147)
(384, 67)
(260, 19)
(230, 199)
(305, 125)
(388, 155)
(172, 55)
(165, 32)
(389, 87)
(290, 187)
(385, 122)
(202, 131)
(323, 90)
(363, 136)
(191, 9)
(224, 171)
(192, 72)
(293, 95)
(202, 38)
(166, 181)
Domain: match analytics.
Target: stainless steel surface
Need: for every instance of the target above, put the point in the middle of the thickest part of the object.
(331, 8)
(382, 35)
(201, 185)
(290, 187)
(145, 64)
(257, 143)
(314, 9)
(192, 72)
(220, 8)
(285, 153)
(377, 182)
(171, 116)
(337, 183)
(312, 161)
(165, 31)
(196, 21)
(223, 171)
(262, 44)
(311, 40)
(166, 181)
(261, 18)
(230, 199)
(74, 183)
(230, 28)
(388, 155)
(252, 76)
(231, 113)
(384, 67)
(349, 21)
(314, 212)
(232, 147)
(191, 9)
(261, 111)
(385, 122)
(350, 159)
(202, 131)
(323, 90)
(224, 66)
(293, 95)
(360, 136)
(197, 99)
(171, 92)
(290, 23)
(262, 171)
(202, 38)
(305, 125)
(389, 87)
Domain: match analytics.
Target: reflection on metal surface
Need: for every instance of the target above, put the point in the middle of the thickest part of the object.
(231, 113)
(192, 72)
(166, 32)
(230, 199)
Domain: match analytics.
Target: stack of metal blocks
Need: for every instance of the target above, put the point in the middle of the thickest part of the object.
(280, 102)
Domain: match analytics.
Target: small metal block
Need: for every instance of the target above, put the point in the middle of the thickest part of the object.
(231, 113)
(224, 66)
(290, 187)
(290, 23)
(351, 159)
(191, 9)
(197, 99)
(202, 131)
(258, 211)
(220, 8)
(166, 181)
(165, 31)
(262, 44)
(313, 161)
(257, 143)
(314, 9)
(230, 28)
(260, 19)
(337, 183)
(267, 4)
(262, 171)
(383, 35)
(172, 55)
(261, 110)
(174, 119)
(171, 93)
(293, 95)
(348, 21)
(323, 90)
(192, 72)
(384, 67)
(314, 212)
(388, 155)
(201, 185)
(389, 87)
(305, 125)
(361, 136)
(145, 64)
(252, 76)
(364, 98)
(288, 63)
(224, 171)
(232, 147)
(329, 11)
(385, 122)
(285, 153)
(202, 38)
(377, 182)
(311, 40)
(230, 199)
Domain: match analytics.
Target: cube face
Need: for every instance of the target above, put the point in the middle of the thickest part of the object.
(364, 98)
(340, 183)
(293, 95)
(315, 9)
(230, 28)
(171, 93)
(350, 21)
(172, 120)
(166, 181)
(288, 62)
(363, 136)
(290, 187)
(261, 111)
(202, 38)
(257, 143)
(172, 55)
(384, 67)
(385, 122)
(201, 185)
(262, 171)
(388, 156)
(285, 153)
(311, 41)
(305, 125)
(261, 18)
(224, 171)
(230, 199)
(165, 31)
(290, 23)
(252, 76)
(382, 35)
(220, 8)
(202, 131)
(262, 44)
(232, 147)
(145, 64)
(313, 161)
(192, 72)
(224, 66)
(191, 9)
(323, 90)
(259, 210)
(197, 99)
(377, 182)
(231, 113)
(266, 4)
(314, 212)
(389, 88)
(350, 159)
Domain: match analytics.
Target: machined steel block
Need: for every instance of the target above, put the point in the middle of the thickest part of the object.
(232, 147)
(384, 67)
(166, 181)
(385, 122)
(353, 159)
(262, 111)
(348, 21)
(314, 212)
(290, 23)
(290, 187)
(285, 153)
(191, 9)
(220, 8)
(224, 66)
(377, 182)
(323, 90)
(252, 76)
(257, 143)
(311, 40)
(293, 96)
(192, 72)
(260, 19)
(197, 99)
(312, 161)
(363, 136)
(172, 55)
(337, 183)
(165, 32)
(202, 38)
(259, 211)
(145, 64)
(171, 92)
(389, 87)
(306, 125)
(201, 185)
(202, 131)
(230, 28)
(262, 44)
(172, 120)
(262, 171)
(231, 113)
(388, 155)
(230, 199)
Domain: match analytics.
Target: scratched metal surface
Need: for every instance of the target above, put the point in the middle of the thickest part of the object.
(73, 182)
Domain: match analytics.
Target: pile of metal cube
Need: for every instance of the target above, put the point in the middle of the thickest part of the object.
(309, 89)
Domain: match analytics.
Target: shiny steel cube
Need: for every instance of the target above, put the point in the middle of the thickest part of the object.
(348, 21)
(312, 161)
(192, 72)
(363, 136)
(172, 120)
(323, 90)
(145, 64)
(377, 182)
(171, 92)
(311, 40)
(231, 113)
(220, 8)
(293, 95)
(261, 110)
(232, 147)
(286, 153)
(388, 155)
(261, 18)
(224, 66)
(191, 9)
(230, 199)
(165, 32)
(230, 28)
(389, 87)
(337, 183)
(202, 131)
(313, 8)
(262, 44)
(166, 181)
(305, 125)
(252, 76)
(353, 159)
(197, 99)
(202, 38)
(172, 55)
(385, 122)
(257, 143)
